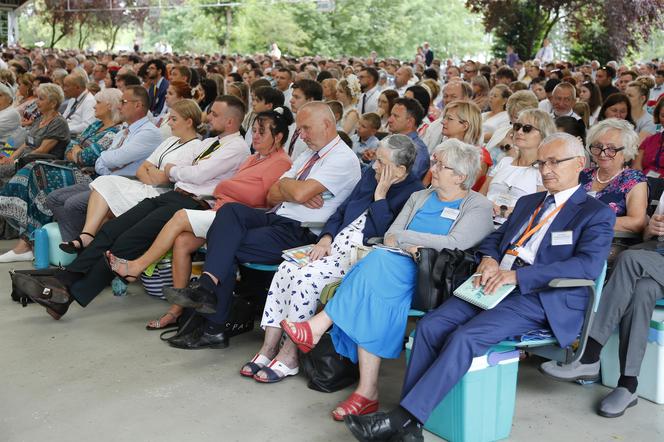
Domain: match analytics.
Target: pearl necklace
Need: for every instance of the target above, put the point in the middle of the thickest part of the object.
(609, 180)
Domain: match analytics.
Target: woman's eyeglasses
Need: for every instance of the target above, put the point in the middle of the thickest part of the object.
(609, 150)
(439, 165)
(505, 147)
(527, 128)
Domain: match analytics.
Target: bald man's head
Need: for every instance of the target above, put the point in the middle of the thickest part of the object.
(317, 124)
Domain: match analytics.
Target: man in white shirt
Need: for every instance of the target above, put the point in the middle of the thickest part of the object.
(368, 101)
(303, 92)
(99, 72)
(80, 111)
(402, 79)
(317, 183)
(563, 99)
(545, 54)
(284, 79)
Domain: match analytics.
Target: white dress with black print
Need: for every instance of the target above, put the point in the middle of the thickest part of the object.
(294, 291)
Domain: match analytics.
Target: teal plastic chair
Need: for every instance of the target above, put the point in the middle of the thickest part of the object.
(549, 347)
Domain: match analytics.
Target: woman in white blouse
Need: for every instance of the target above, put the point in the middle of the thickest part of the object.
(113, 195)
(497, 116)
(514, 177)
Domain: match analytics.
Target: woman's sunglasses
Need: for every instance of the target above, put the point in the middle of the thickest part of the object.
(527, 128)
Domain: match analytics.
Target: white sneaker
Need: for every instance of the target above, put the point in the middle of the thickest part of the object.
(12, 256)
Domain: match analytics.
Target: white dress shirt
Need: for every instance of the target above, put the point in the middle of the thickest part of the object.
(288, 94)
(529, 250)
(201, 175)
(299, 146)
(371, 104)
(338, 170)
(80, 113)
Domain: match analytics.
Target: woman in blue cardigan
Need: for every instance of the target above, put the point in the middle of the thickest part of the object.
(368, 212)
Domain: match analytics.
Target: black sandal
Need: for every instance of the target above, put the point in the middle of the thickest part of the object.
(70, 246)
(122, 278)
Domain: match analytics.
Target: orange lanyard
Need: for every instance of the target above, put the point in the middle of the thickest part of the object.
(530, 230)
(313, 160)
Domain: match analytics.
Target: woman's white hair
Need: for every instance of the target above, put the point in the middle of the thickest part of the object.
(629, 139)
(112, 97)
(464, 158)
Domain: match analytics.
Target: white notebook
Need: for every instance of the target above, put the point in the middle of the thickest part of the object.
(476, 296)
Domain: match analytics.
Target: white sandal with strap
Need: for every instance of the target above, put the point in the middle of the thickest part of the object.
(276, 371)
(255, 365)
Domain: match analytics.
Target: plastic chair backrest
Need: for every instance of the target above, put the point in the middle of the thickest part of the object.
(599, 286)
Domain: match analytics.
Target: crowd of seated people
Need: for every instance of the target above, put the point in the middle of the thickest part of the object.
(533, 168)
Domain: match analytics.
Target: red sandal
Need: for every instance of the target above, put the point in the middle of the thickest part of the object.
(357, 405)
(303, 337)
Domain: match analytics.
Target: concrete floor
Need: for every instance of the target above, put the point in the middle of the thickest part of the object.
(97, 374)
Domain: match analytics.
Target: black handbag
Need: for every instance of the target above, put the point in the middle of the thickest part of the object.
(439, 274)
(47, 276)
(327, 370)
(240, 320)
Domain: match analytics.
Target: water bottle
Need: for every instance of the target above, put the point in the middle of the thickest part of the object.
(41, 248)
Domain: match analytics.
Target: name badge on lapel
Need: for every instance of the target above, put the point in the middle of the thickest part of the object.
(450, 213)
(563, 238)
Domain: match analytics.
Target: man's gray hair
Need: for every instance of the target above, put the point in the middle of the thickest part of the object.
(464, 158)
(402, 150)
(629, 139)
(573, 145)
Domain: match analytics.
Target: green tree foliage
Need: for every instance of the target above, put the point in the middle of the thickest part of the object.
(391, 28)
(602, 29)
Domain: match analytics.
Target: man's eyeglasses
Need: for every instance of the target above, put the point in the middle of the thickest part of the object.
(127, 101)
(609, 150)
(539, 164)
(527, 128)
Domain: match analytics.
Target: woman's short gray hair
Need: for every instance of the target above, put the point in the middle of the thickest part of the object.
(540, 119)
(629, 139)
(112, 97)
(402, 150)
(6, 90)
(464, 158)
(52, 92)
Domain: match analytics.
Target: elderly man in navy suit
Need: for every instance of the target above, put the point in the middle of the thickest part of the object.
(560, 233)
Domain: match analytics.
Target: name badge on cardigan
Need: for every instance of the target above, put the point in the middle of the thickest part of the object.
(561, 238)
(450, 213)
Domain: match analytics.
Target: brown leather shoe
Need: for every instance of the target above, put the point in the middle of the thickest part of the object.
(54, 297)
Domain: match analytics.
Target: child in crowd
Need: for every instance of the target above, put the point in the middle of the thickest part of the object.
(365, 138)
(338, 111)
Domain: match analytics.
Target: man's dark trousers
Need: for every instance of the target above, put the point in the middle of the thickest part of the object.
(127, 236)
(243, 234)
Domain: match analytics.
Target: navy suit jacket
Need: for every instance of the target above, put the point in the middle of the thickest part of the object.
(380, 213)
(591, 223)
(157, 103)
